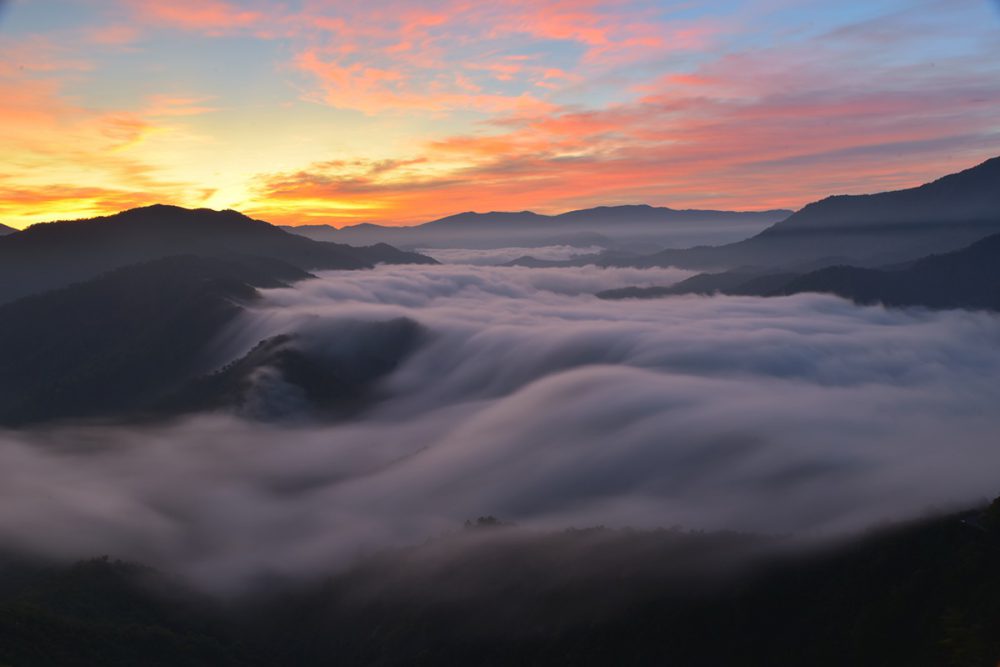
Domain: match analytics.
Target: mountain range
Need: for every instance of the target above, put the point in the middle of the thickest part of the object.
(52, 255)
(863, 230)
(624, 227)
(5, 230)
(966, 278)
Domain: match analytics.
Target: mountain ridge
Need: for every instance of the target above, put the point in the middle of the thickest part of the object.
(55, 254)
(965, 278)
(574, 214)
(871, 230)
(135, 332)
(627, 224)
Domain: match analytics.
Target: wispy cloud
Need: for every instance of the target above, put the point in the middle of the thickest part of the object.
(768, 127)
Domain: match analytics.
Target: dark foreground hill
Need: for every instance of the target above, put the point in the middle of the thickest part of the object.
(111, 344)
(51, 255)
(4, 230)
(135, 342)
(966, 278)
(923, 595)
(863, 230)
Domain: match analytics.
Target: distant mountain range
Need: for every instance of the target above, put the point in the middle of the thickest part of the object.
(966, 278)
(863, 230)
(4, 230)
(52, 255)
(605, 226)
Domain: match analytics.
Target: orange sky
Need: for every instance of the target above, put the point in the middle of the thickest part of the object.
(320, 111)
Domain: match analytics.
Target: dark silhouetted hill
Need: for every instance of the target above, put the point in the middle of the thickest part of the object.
(966, 278)
(141, 342)
(51, 255)
(279, 379)
(114, 344)
(5, 230)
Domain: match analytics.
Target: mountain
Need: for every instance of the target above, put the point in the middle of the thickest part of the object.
(966, 278)
(740, 282)
(335, 384)
(51, 255)
(135, 343)
(863, 230)
(609, 226)
(113, 344)
(5, 230)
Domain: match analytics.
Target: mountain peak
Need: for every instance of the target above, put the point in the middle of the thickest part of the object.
(159, 212)
(969, 195)
(72, 251)
(474, 218)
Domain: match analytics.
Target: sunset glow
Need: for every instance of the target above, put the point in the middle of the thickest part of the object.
(389, 111)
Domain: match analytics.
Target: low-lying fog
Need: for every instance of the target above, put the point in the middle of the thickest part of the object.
(534, 401)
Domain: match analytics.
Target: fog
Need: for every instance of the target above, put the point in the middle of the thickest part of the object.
(532, 400)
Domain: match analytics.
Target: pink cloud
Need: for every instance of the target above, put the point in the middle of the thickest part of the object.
(119, 34)
(212, 16)
(380, 55)
(757, 130)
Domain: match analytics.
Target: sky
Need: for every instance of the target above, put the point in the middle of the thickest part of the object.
(398, 112)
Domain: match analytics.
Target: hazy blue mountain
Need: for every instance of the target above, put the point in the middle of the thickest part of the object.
(607, 226)
(864, 230)
(55, 254)
(966, 278)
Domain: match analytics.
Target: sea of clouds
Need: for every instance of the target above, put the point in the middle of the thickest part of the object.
(532, 400)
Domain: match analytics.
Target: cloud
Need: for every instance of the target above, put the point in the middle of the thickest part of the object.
(534, 401)
(68, 160)
(508, 105)
(771, 126)
(442, 56)
(214, 17)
